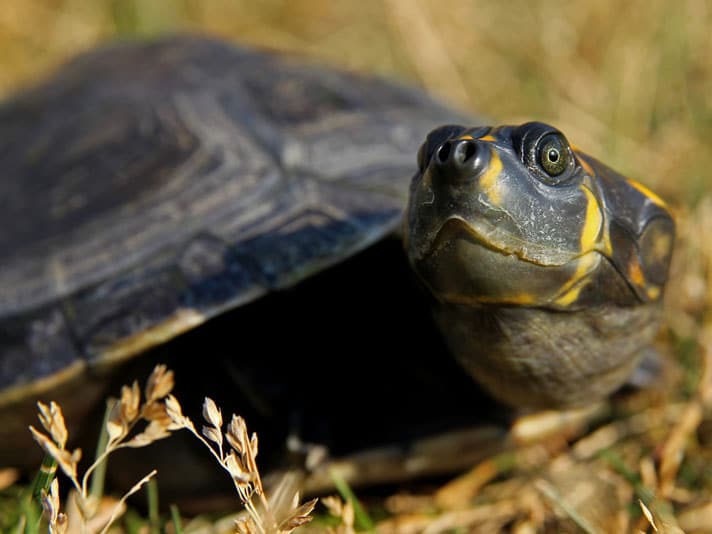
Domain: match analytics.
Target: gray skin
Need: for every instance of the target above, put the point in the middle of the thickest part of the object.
(549, 287)
(536, 358)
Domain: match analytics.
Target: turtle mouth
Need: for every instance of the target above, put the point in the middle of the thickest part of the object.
(464, 265)
(494, 239)
(455, 227)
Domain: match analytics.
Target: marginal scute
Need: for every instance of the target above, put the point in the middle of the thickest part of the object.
(656, 244)
(641, 232)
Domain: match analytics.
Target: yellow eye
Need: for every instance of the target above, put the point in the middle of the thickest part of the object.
(553, 154)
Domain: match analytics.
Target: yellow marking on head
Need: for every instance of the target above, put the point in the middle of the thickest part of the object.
(519, 298)
(661, 247)
(466, 136)
(585, 165)
(522, 299)
(489, 179)
(607, 245)
(487, 137)
(593, 222)
(655, 199)
(635, 273)
(568, 298)
(572, 288)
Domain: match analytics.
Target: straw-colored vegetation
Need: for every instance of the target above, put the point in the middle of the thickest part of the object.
(133, 423)
(629, 82)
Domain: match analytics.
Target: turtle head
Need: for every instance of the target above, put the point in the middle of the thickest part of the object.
(514, 215)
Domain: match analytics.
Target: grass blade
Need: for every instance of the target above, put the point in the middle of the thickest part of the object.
(362, 520)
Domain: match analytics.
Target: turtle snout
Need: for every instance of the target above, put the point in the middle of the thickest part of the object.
(458, 160)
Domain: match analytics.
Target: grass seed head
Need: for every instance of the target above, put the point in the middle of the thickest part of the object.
(50, 505)
(301, 515)
(52, 420)
(159, 384)
(156, 412)
(175, 413)
(116, 425)
(66, 460)
(237, 434)
(130, 402)
(153, 432)
(213, 434)
(211, 413)
(237, 469)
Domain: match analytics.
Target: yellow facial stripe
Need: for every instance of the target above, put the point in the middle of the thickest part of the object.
(572, 288)
(607, 245)
(592, 222)
(636, 275)
(568, 298)
(488, 180)
(648, 193)
(466, 136)
(521, 299)
(487, 137)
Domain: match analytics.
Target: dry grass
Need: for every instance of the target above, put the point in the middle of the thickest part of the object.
(629, 82)
(161, 414)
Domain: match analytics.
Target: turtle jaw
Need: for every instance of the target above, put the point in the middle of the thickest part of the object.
(461, 266)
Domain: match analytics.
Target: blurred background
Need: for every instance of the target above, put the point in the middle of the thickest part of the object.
(629, 82)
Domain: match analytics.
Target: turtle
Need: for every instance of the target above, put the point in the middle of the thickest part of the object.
(344, 254)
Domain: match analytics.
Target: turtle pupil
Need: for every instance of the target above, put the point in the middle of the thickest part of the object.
(553, 155)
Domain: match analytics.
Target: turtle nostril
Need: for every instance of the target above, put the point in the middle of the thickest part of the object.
(459, 160)
(464, 151)
(444, 151)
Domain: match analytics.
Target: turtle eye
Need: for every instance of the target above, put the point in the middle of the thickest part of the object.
(553, 154)
(434, 139)
(546, 153)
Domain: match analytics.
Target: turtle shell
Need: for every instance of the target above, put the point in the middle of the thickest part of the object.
(148, 187)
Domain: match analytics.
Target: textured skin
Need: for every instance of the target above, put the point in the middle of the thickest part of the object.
(148, 187)
(543, 359)
(549, 285)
